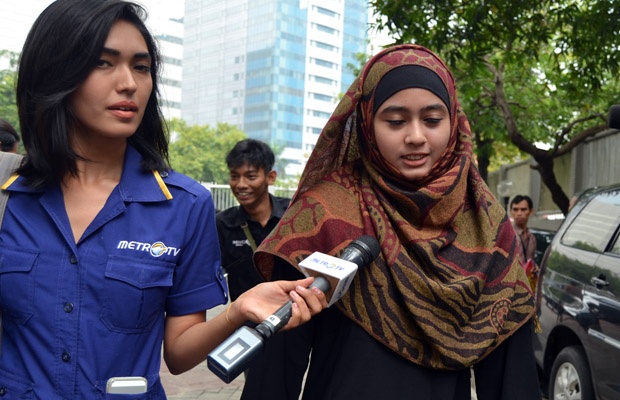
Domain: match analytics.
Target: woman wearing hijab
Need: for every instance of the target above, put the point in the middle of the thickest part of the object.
(447, 291)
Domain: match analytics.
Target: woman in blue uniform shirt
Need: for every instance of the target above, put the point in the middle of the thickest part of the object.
(105, 252)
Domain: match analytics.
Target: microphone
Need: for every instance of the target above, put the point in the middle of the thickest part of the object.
(332, 275)
(614, 116)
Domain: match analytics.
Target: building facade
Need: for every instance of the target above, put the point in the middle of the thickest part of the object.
(169, 34)
(273, 68)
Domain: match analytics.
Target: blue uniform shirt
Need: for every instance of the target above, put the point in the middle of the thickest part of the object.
(75, 315)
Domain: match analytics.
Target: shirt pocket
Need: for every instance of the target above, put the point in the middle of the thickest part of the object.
(17, 283)
(135, 293)
(15, 387)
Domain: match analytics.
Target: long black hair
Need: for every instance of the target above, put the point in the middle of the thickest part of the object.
(62, 48)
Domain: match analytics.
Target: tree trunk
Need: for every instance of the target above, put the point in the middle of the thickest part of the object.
(483, 151)
(542, 157)
(545, 168)
(483, 167)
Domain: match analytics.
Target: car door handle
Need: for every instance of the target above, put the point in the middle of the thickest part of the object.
(600, 282)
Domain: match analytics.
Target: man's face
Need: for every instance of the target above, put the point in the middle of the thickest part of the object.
(520, 213)
(250, 184)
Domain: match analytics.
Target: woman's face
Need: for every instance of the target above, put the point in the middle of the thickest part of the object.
(412, 130)
(111, 101)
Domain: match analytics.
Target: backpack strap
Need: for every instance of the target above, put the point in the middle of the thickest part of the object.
(9, 162)
(248, 235)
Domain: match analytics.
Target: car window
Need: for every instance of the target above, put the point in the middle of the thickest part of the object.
(616, 248)
(593, 227)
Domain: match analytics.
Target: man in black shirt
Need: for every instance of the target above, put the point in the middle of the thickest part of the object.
(242, 228)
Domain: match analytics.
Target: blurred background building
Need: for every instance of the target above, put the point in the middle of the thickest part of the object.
(169, 32)
(272, 68)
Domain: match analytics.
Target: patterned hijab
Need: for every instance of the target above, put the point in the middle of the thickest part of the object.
(447, 287)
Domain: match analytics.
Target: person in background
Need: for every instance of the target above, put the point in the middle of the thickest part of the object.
(447, 291)
(241, 228)
(521, 208)
(9, 138)
(106, 251)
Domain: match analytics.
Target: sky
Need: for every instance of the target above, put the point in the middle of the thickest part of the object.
(172, 8)
(14, 32)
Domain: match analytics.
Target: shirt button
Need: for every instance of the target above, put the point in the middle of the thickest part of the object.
(73, 259)
(68, 307)
(66, 357)
(2, 391)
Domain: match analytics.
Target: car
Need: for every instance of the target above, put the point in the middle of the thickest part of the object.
(578, 302)
(543, 240)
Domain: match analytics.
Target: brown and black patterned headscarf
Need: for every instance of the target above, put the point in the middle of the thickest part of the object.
(447, 287)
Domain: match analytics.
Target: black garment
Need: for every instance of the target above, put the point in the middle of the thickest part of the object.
(347, 363)
(278, 373)
(237, 262)
(236, 251)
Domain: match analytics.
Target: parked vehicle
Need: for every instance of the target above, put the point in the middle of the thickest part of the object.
(543, 240)
(578, 301)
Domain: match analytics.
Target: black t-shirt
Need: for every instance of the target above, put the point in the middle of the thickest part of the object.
(235, 248)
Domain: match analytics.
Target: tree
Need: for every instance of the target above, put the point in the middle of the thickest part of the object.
(8, 79)
(536, 72)
(200, 151)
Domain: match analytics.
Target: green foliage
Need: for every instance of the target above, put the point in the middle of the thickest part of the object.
(280, 164)
(559, 59)
(537, 74)
(8, 80)
(200, 151)
(361, 59)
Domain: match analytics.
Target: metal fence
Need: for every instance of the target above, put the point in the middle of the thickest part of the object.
(223, 197)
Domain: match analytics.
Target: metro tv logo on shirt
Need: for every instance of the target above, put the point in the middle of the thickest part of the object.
(156, 249)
